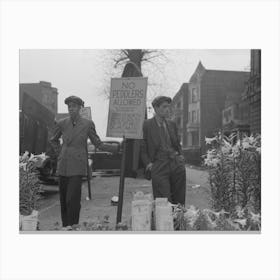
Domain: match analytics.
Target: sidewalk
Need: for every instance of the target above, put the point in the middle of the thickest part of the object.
(104, 188)
(198, 188)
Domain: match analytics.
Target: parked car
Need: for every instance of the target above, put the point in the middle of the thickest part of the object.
(47, 171)
(100, 162)
(106, 162)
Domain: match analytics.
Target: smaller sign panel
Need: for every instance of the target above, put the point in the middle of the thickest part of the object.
(86, 113)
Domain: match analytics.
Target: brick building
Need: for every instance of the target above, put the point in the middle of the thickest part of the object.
(179, 112)
(43, 92)
(208, 92)
(244, 113)
(235, 114)
(37, 107)
(252, 96)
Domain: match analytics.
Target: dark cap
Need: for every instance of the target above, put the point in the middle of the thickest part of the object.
(74, 99)
(160, 99)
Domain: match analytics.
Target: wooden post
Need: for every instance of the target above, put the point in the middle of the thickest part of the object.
(88, 175)
(130, 70)
(121, 186)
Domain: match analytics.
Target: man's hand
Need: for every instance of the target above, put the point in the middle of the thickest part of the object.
(149, 166)
(182, 158)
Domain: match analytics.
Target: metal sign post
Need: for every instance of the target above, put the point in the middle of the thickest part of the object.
(127, 108)
(121, 186)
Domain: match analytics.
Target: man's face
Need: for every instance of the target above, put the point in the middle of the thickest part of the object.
(163, 110)
(73, 109)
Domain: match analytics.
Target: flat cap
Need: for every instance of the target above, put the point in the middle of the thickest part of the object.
(74, 99)
(160, 99)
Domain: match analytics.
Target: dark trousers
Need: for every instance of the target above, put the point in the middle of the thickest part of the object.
(169, 179)
(70, 199)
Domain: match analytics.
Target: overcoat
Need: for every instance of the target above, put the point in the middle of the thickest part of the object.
(72, 157)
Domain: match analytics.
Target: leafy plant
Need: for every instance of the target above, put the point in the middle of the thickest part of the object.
(29, 191)
(235, 171)
(191, 218)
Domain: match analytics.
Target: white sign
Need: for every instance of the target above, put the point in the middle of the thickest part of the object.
(127, 107)
(86, 113)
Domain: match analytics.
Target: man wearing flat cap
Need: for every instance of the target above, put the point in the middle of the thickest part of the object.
(161, 154)
(72, 159)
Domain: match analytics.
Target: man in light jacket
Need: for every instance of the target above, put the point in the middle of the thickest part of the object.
(72, 158)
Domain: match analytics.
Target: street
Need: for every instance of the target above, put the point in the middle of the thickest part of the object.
(104, 188)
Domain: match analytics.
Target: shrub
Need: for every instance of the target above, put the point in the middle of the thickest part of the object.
(29, 184)
(235, 172)
(191, 218)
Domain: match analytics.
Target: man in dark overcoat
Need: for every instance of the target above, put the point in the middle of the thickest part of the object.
(161, 154)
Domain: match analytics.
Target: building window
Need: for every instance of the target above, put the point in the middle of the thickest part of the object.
(194, 95)
(179, 122)
(179, 105)
(189, 139)
(193, 138)
(193, 116)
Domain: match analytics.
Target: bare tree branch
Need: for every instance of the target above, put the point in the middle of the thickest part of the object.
(146, 59)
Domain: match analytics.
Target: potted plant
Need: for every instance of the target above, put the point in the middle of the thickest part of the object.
(29, 192)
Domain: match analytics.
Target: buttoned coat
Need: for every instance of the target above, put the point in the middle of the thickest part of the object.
(72, 158)
(151, 139)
